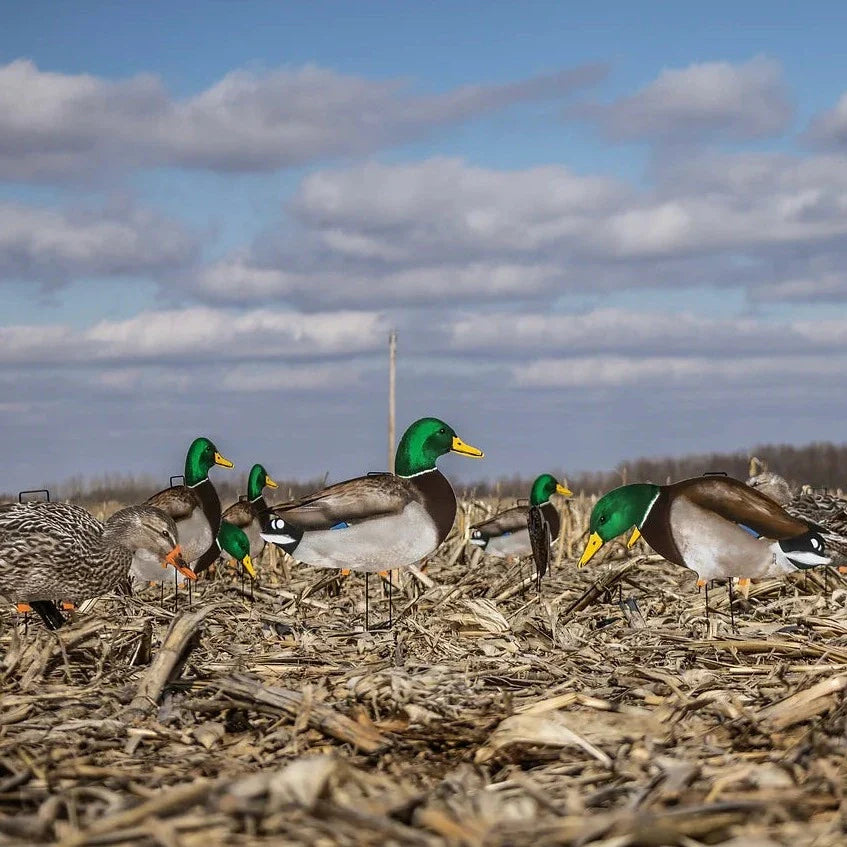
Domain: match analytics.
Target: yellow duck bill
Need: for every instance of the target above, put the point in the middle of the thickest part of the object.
(561, 489)
(459, 446)
(247, 562)
(593, 545)
(270, 483)
(636, 534)
(222, 461)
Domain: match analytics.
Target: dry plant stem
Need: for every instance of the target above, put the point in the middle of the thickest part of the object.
(170, 654)
(320, 717)
(179, 797)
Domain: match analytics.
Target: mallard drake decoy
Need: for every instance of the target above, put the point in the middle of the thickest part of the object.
(715, 525)
(506, 533)
(234, 540)
(196, 509)
(248, 514)
(59, 551)
(380, 521)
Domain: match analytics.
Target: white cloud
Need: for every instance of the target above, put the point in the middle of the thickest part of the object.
(235, 280)
(829, 128)
(61, 125)
(197, 334)
(443, 229)
(665, 372)
(47, 245)
(825, 287)
(702, 102)
(642, 333)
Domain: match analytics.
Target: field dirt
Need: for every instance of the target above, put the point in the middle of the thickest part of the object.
(606, 710)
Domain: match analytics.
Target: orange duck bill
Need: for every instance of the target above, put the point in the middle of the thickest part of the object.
(174, 558)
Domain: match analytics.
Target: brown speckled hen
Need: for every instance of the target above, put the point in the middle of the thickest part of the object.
(53, 551)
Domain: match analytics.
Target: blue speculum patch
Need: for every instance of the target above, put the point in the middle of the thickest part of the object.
(751, 531)
(340, 525)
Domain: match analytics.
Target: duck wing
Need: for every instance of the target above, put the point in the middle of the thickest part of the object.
(39, 541)
(239, 514)
(349, 502)
(510, 520)
(736, 502)
(178, 502)
(64, 524)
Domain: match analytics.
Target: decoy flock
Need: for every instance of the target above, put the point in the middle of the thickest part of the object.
(229, 671)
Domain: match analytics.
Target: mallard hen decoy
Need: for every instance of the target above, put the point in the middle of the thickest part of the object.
(506, 533)
(248, 514)
(196, 509)
(380, 521)
(59, 551)
(716, 526)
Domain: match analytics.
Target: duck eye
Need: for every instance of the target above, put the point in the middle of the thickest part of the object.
(602, 519)
(442, 431)
(166, 534)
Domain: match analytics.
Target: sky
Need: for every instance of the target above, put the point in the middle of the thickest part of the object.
(601, 231)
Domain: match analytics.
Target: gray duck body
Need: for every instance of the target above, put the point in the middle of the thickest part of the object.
(197, 512)
(389, 521)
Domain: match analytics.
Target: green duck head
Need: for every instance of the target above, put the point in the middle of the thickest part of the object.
(233, 540)
(202, 457)
(423, 442)
(257, 482)
(544, 487)
(615, 513)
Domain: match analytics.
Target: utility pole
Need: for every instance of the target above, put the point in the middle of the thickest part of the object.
(392, 379)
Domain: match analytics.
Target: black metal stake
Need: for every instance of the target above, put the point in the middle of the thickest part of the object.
(731, 606)
(706, 586)
(367, 600)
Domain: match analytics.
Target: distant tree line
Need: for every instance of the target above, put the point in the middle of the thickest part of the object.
(126, 488)
(821, 465)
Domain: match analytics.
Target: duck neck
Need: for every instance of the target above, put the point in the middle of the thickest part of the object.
(195, 471)
(438, 499)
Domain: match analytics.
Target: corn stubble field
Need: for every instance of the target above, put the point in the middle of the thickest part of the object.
(606, 711)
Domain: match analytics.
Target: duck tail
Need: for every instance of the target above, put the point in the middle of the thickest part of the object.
(52, 617)
(477, 539)
(283, 533)
(539, 537)
(804, 551)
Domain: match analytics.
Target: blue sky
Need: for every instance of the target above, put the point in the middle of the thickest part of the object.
(603, 230)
